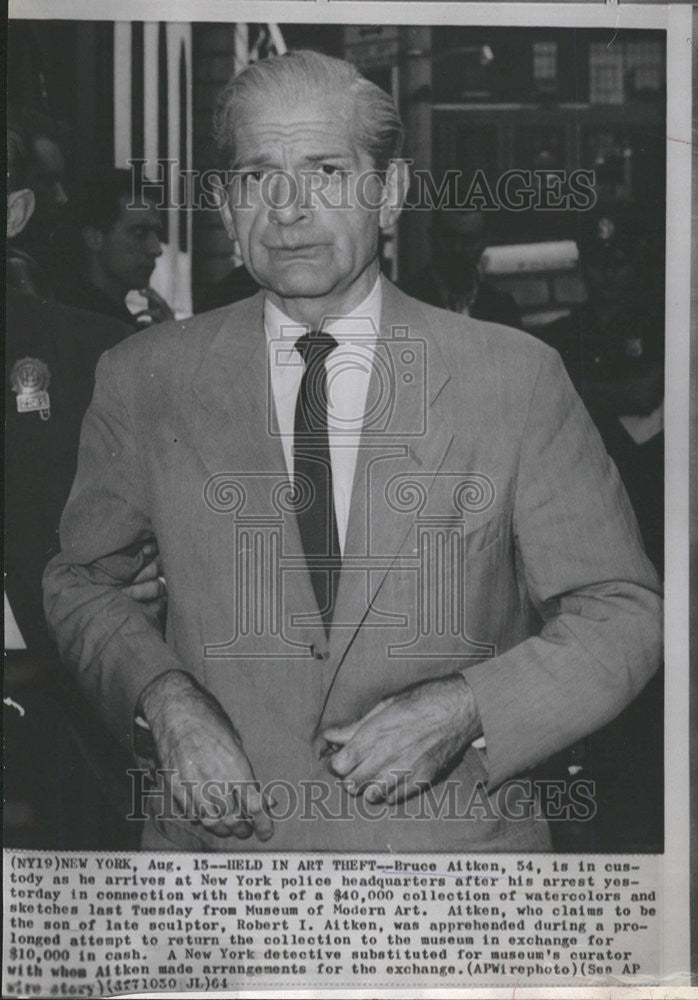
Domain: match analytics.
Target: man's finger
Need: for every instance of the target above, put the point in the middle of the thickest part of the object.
(151, 571)
(227, 826)
(151, 590)
(364, 749)
(253, 807)
(242, 829)
(341, 735)
(392, 782)
(254, 819)
(376, 791)
(406, 790)
(373, 767)
(181, 792)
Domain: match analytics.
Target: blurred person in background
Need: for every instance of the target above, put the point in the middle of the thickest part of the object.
(617, 341)
(625, 281)
(118, 246)
(452, 279)
(613, 348)
(59, 767)
(37, 251)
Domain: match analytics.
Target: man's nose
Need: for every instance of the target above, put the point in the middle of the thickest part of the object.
(154, 246)
(285, 199)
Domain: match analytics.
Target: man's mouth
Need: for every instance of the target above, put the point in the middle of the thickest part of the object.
(304, 249)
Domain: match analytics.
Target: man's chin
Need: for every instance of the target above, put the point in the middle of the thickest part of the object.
(298, 288)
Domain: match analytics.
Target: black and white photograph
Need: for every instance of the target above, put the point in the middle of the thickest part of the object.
(346, 472)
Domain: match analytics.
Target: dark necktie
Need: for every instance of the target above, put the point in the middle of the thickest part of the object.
(313, 473)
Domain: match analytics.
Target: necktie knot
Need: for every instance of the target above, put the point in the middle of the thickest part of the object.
(315, 346)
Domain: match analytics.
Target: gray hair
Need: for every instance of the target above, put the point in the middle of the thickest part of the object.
(377, 127)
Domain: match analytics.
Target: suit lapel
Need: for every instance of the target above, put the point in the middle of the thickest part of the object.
(397, 461)
(231, 388)
(236, 434)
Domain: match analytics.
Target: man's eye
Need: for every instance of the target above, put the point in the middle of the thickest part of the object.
(331, 169)
(252, 175)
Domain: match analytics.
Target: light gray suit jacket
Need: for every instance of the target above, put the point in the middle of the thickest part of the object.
(488, 533)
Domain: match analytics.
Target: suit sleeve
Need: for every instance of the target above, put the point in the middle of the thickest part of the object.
(114, 644)
(580, 558)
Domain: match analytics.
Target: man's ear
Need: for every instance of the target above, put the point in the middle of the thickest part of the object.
(397, 182)
(20, 208)
(93, 238)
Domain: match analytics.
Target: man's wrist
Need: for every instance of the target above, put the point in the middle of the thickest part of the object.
(467, 708)
(167, 685)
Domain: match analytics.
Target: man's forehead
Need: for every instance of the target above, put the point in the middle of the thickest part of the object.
(302, 123)
(141, 212)
(294, 133)
(314, 105)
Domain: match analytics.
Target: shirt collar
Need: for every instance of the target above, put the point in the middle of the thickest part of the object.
(363, 321)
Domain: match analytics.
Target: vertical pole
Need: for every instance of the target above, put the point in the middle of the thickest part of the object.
(415, 89)
(122, 93)
(150, 95)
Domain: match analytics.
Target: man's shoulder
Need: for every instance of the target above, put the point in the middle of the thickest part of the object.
(477, 344)
(66, 327)
(179, 345)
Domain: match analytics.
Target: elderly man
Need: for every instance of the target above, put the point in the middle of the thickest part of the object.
(401, 568)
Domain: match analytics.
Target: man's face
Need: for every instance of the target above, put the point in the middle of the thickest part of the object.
(127, 252)
(304, 202)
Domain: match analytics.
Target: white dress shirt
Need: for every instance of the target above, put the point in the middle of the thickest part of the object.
(348, 375)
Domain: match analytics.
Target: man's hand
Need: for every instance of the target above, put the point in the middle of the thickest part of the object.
(407, 741)
(212, 779)
(148, 585)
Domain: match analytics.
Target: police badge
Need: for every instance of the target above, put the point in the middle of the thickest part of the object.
(30, 379)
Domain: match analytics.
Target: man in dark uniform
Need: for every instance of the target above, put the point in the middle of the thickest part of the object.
(51, 355)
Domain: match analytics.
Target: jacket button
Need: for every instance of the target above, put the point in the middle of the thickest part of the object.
(317, 653)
